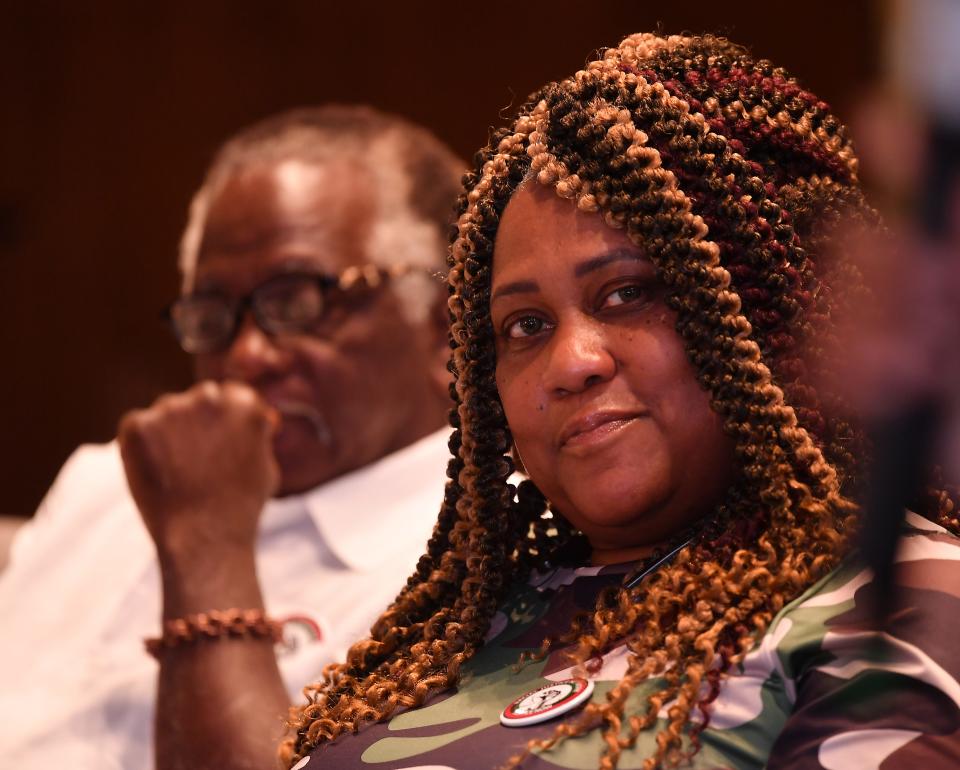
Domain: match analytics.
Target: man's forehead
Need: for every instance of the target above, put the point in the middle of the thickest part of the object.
(289, 210)
(289, 196)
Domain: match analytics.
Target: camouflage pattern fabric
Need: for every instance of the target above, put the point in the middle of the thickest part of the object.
(820, 691)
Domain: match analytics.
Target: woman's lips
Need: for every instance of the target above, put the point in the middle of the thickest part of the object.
(588, 430)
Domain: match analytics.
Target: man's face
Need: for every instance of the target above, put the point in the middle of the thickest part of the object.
(366, 382)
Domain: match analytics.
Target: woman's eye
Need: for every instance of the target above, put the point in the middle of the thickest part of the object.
(526, 326)
(622, 296)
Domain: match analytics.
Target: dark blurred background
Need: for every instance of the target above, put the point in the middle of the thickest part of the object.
(112, 110)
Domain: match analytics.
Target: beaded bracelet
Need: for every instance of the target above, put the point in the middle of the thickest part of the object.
(214, 624)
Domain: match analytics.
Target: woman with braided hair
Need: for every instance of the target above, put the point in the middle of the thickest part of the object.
(641, 291)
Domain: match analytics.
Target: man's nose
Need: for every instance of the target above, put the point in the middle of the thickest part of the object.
(253, 354)
(579, 357)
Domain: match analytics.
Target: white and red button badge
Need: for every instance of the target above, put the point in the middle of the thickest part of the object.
(298, 631)
(547, 702)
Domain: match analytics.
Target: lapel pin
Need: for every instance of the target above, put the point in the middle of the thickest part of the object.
(546, 702)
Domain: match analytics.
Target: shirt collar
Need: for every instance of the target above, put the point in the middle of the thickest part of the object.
(373, 513)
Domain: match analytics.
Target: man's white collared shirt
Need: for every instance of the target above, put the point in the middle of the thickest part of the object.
(82, 591)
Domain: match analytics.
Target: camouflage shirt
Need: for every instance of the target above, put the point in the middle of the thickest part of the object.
(819, 692)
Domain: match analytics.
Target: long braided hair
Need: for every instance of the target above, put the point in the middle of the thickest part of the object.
(725, 171)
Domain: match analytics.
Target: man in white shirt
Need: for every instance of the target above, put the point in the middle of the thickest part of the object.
(310, 454)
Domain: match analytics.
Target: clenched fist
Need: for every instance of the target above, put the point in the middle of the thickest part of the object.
(200, 467)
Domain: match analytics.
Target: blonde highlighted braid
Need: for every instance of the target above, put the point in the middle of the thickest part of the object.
(723, 170)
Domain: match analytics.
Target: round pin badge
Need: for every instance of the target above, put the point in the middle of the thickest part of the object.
(298, 631)
(547, 702)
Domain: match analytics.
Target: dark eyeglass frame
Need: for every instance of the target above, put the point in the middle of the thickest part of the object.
(367, 277)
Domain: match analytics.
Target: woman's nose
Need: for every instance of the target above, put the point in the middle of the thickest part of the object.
(578, 357)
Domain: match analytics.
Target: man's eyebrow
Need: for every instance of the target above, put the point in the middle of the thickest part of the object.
(517, 287)
(292, 264)
(595, 263)
(206, 286)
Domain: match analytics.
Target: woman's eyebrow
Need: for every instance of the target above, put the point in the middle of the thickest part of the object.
(517, 287)
(579, 270)
(595, 263)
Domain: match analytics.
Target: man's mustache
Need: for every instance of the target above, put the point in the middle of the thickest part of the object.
(305, 411)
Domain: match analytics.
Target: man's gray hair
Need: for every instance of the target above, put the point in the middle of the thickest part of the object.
(417, 179)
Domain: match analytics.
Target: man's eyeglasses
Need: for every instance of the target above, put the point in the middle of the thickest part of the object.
(294, 303)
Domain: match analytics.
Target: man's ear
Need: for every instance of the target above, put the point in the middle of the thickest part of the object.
(438, 329)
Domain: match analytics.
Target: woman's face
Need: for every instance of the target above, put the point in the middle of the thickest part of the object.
(603, 404)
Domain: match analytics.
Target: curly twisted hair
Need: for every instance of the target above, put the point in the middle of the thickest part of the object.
(726, 172)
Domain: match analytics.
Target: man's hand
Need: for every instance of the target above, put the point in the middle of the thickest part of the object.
(200, 467)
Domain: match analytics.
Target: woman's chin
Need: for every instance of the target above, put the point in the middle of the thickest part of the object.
(635, 511)
(615, 490)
